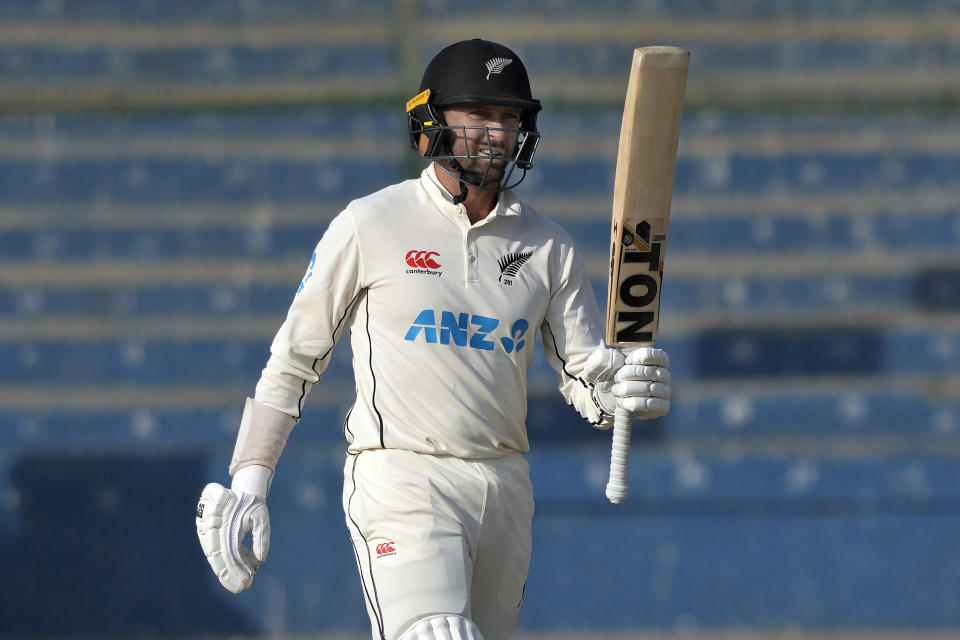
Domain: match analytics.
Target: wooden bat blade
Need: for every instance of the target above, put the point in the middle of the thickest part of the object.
(642, 193)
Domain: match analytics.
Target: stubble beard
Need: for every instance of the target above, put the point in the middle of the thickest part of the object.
(480, 169)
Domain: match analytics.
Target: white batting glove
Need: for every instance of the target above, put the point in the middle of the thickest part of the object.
(226, 516)
(637, 380)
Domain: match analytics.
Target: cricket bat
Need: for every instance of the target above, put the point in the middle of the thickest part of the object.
(642, 191)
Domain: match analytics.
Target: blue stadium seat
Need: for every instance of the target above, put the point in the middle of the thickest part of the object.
(937, 289)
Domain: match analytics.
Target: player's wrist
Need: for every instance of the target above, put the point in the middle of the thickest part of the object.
(254, 479)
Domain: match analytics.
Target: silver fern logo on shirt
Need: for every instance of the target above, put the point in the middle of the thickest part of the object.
(497, 65)
(510, 265)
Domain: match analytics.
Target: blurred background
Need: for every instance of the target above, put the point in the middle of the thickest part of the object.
(167, 166)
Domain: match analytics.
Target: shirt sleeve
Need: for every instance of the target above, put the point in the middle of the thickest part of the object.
(571, 331)
(317, 316)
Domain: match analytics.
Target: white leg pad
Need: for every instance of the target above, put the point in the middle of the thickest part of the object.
(443, 627)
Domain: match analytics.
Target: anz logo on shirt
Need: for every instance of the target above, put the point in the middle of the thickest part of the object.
(466, 330)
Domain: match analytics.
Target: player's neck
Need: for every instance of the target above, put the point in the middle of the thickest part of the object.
(478, 203)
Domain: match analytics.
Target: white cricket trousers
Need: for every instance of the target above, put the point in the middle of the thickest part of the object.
(437, 534)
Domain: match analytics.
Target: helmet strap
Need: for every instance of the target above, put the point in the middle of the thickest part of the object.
(463, 185)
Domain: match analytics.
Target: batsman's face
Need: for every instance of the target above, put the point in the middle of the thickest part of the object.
(488, 136)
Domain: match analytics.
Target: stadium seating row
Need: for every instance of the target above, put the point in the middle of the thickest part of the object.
(664, 480)
(277, 126)
(174, 11)
(185, 65)
(559, 122)
(892, 234)
(708, 355)
(118, 12)
(251, 62)
(141, 180)
(814, 420)
(697, 297)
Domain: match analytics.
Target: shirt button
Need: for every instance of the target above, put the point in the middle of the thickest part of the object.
(473, 258)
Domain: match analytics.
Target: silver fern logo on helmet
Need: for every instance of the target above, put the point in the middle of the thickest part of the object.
(496, 65)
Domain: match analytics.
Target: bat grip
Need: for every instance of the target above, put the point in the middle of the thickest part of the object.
(617, 489)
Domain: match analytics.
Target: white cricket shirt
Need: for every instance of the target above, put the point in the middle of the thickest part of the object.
(442, 315)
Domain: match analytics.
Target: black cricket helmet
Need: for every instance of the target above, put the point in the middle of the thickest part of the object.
(473, 72)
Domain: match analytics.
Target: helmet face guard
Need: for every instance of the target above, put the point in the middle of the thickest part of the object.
(474, 72)
(435, 140)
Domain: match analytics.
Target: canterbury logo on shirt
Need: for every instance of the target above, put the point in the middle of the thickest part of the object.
(466, 330)
(423, 262)
(423, 259)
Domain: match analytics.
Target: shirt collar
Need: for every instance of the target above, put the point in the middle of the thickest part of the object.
(507, 203)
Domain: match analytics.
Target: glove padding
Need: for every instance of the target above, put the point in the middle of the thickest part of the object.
(223, 519)
(636, 379)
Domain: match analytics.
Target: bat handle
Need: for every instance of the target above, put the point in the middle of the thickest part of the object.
(617, 489)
